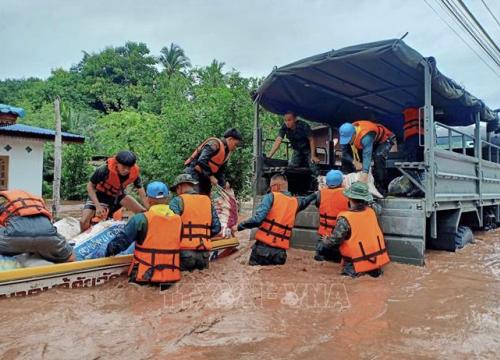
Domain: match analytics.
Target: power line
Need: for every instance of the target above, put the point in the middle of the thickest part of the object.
(491, 12)
(463, 40)
(478, 24)
(466, 23)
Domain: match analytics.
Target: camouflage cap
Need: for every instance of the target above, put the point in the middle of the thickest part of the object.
(183, 179)
(359, 191)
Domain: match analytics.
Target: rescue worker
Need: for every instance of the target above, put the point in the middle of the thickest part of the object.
(358, 235)
(365, 140)
(299, 134)
(207, 165)
(157, 236)
(330, 202)
(275, 218)
(26, 227)
(199, 223)
(413, 133)
(106, 189)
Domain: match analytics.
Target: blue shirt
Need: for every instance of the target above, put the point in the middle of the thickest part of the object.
(266, 205)
(368, 142)
(136, 230)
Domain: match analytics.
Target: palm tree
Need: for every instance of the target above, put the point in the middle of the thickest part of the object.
(213, 74)
(173, 59)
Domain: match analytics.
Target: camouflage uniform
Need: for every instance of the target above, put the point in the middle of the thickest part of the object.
(341, 233)
(299, 141)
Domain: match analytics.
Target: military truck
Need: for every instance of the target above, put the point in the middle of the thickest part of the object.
(461, 168)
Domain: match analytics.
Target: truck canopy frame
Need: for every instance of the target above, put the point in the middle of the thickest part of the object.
(375, 80)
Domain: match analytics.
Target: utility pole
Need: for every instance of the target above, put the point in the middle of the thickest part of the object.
(56, 189)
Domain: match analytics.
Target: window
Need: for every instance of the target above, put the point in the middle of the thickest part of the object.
(4, 172)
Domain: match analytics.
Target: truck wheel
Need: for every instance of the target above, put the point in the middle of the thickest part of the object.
(463, 236)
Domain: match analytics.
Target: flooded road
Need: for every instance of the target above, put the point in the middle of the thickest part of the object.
(448, 309)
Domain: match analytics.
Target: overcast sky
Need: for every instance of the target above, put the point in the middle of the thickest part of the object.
(250, 36)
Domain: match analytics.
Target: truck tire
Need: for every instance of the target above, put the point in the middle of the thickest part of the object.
(463, 236)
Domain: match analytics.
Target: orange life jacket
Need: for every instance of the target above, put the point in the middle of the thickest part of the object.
(157, 259)
(382, 133)
(411, 125)
(112, 185)
(366, 247)
(196, 222)
(21, 203)
(276, 229)
(217, 160)
(332, 201)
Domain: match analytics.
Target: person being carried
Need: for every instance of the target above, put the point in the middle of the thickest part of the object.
(330, 202)
(374, 141)
(157, 236)
(358, 235)
(207, 164)
(275, 218)
(106, 189)
(199, 223)
(26, 227)
(299, 134)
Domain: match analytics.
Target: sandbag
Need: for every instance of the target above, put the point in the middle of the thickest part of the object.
(92, 243)
(351, 178)
(400, 186)
(9, 263)
(68, 227)
(226, 205)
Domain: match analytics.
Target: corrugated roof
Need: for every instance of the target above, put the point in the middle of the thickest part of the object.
(7, 109)
(20, 130)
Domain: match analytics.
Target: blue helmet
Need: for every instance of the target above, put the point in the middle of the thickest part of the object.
(157, 190)
(346, 131)
(334, 178)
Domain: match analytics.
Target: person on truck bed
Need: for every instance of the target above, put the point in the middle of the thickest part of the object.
(207, 164)
(26, 227)
(107, 187)
(157, 236)
(199, 223)
(330, 201)
(413, 133)
(358, 235)
(365, 140)
(299, 134)
(275, 218)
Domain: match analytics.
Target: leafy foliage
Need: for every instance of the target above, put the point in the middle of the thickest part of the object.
(119, 100)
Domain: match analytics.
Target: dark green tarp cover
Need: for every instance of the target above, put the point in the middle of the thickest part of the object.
(372, 81)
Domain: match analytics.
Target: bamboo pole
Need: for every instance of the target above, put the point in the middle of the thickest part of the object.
(56, 189)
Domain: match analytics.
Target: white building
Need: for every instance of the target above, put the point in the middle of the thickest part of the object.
(21, 151)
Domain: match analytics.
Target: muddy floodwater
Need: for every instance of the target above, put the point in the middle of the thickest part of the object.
(304, 310)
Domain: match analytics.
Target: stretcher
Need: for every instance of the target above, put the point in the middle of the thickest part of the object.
(81, 274)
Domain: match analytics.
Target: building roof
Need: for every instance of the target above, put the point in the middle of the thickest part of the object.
(25, 131)
(8, 109)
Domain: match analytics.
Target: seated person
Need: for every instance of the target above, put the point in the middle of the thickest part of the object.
(26, 227)
(107, 186)
(157, 236)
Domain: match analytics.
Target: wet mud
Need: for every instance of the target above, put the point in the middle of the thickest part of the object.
(448, 309)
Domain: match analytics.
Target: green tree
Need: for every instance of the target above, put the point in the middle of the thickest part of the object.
(173, 59)
(117, 78)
